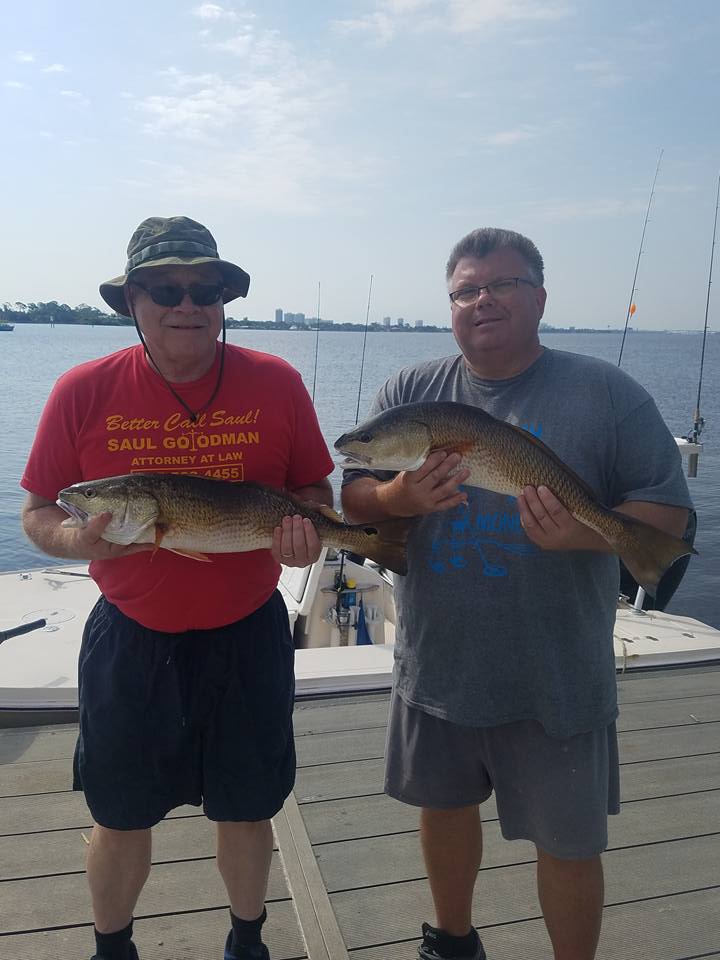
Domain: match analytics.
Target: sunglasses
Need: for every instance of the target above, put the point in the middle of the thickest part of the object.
(172, 294)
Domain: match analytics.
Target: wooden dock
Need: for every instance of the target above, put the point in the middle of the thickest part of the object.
(347, 879)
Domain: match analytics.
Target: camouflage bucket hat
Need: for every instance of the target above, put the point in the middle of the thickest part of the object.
(172, 242)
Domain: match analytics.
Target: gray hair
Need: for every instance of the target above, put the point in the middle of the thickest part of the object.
(479, 243)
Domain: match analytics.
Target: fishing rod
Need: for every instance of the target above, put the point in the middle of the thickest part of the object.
(362, 361)
(317, 341)
(631, 305)
(698, 421)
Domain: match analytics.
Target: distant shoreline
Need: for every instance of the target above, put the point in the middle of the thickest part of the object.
(325, 327)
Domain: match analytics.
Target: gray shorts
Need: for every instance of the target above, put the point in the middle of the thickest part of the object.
(556, 793)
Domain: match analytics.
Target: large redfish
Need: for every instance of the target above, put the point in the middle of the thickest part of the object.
(504, 458)
(197, 515)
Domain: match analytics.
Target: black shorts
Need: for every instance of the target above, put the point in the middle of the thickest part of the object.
(198, 717)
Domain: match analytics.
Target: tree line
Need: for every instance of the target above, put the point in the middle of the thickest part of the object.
(54, 312)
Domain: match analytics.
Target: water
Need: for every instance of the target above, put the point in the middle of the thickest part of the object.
(667, 364)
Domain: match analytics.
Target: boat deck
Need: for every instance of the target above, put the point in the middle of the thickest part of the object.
(347, 878)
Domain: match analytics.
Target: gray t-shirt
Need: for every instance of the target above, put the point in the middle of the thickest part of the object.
(490, 628)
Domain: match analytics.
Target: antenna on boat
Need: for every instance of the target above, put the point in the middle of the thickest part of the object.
(317, 341)
(631, 304)
(362, 361)
(698, 421)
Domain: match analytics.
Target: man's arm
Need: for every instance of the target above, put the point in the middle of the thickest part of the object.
(320, 492)
(42, 522)
(432, 487)
(551, 526)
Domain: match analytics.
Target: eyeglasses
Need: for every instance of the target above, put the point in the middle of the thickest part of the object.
(498, 289)
(172, 294)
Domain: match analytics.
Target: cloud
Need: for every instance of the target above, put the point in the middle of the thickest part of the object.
(79, 98)
(15, 85)
(260, 120)
(603, 73)
(391, 17)
(22, 56)
(55, 68)
(213, 11)
(505, 138)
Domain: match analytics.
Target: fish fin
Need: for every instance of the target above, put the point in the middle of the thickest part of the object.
(463, 447)
(190, 554)
(386, 542)
(328, 512)
(646, 551)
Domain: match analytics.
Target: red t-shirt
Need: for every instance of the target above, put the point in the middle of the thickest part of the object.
(115, 415)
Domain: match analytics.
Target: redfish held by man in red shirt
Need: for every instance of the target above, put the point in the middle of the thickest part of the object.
(194, 516)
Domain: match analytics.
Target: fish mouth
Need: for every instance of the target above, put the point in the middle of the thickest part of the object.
(355, 460)
(75, 512)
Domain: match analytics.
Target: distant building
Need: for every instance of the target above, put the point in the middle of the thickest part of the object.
(401, 321)
(300, 318)
(387, 322)
(418, 323)
(278, 315)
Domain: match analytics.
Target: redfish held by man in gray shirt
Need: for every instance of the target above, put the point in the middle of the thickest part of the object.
(505, 458)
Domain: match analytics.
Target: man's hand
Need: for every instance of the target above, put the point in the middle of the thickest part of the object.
(295, 542)
(43, 523)
(551, 526)
(89, 545)
(433, 487)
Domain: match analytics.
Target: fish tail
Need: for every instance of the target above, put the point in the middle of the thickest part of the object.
(386, 543)
(647, 552)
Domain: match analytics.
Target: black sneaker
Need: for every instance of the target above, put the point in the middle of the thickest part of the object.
(257, 951)
(432, 941)
(133, 955)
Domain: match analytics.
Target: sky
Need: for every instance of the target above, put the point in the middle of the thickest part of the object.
(325, 143)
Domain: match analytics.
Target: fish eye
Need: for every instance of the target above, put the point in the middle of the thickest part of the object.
(89, 493)
(365, 438)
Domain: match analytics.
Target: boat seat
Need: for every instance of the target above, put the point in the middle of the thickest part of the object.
(298, 586)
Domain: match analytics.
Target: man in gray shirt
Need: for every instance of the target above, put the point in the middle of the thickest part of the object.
(505, 673)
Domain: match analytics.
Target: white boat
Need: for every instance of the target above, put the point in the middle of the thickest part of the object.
(38, 668)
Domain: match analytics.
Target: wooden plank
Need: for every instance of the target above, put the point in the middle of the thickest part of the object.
(329, 781)
(344, 713)
(63, 851)
(64, 900)
(321, 933)
(397, 858)
(671, 928)
(341, 746)
(647, 779)
(56, 811)
(662, 778)
(668, 713)
(24, 779)
(189, 936)
(508, 894)
(668, 684)
(667, 742)
(37, 743)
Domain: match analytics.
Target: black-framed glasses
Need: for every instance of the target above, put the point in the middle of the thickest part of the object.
(469, 296)
(171, 294)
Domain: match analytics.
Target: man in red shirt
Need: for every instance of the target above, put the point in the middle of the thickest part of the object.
(186, 669)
